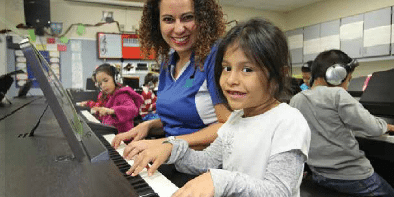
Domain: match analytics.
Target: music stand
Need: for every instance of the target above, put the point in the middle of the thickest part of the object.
(83, 142)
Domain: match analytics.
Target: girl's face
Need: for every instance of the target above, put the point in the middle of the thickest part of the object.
(105, 82)
(244, 84)
(178, 24)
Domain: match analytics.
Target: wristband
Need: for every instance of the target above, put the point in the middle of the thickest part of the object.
(169, 139)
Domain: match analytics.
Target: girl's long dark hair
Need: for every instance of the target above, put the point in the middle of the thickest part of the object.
(265, 45)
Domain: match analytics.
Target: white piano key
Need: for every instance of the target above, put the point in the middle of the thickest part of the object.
(158, 182)
(89, 116)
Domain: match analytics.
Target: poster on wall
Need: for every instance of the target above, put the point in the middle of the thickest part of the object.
(109, 45)
(20, 64)
(117, 46)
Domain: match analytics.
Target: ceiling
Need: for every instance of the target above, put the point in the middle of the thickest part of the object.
(273, 5)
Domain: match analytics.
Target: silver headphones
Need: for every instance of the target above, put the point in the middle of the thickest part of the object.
(337, 73)
(117, 77)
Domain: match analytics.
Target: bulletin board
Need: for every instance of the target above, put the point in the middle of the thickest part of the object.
(117, 46)
(52, 57)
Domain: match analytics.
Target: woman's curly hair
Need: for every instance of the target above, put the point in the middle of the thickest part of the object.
(209, 19)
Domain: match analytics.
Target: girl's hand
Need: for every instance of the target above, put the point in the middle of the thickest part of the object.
(156, 154)
(103, 111)
(82, 104)
(199, 186)
(137, 133)
(390, 129)
(136, 147)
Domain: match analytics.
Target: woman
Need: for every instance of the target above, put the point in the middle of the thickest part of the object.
(188, 103)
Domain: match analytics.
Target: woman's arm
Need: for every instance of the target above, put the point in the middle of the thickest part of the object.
(137, 133)
(197, 140)
(202, 138)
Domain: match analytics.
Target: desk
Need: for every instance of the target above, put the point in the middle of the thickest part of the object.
(7, 109)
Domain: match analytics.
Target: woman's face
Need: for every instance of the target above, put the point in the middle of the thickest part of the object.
(178, 25)
(105, 82)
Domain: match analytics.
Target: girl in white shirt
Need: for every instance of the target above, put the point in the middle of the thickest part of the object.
(261, 149)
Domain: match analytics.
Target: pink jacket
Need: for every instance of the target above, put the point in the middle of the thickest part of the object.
(126, 104)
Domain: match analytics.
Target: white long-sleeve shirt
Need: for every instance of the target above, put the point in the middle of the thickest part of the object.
(261, 155)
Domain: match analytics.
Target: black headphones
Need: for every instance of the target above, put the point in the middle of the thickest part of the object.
(337, 73)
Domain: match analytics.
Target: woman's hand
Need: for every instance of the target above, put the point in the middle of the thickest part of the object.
(103, 111)
(156, 154)
(137, 133)
(199, 186)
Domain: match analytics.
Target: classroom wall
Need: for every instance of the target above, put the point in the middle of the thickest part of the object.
(88, 13)
(70, 12)
(328, 10)
(3, 60)
(2, 13)
(242, 14)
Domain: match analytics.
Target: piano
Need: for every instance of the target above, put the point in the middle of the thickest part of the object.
(49, 149)
(158, 182)
(355, 87)
(378, 99)
(43, 165)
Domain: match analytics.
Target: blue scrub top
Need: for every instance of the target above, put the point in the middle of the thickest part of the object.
(186, 105)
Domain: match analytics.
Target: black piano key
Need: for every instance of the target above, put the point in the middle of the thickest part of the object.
(139, 184)
(127, 166)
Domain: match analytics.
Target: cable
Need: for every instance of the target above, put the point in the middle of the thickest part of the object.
(31, 134)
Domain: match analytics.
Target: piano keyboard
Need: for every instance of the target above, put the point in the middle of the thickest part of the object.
(142, 183)
(385, 137)
(89, 116)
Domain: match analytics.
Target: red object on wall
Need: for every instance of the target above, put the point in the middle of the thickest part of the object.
(62, 47)
(131, 47)
(51, 40)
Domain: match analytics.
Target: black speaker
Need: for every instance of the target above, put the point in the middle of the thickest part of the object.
(37, 15)
(6, 82)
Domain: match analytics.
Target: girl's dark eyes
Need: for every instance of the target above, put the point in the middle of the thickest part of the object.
(227, 68)
(247, 70)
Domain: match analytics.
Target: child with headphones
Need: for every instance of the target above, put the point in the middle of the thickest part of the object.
(333, 114)
(116, 105)
(306, 75)
(148, 108)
